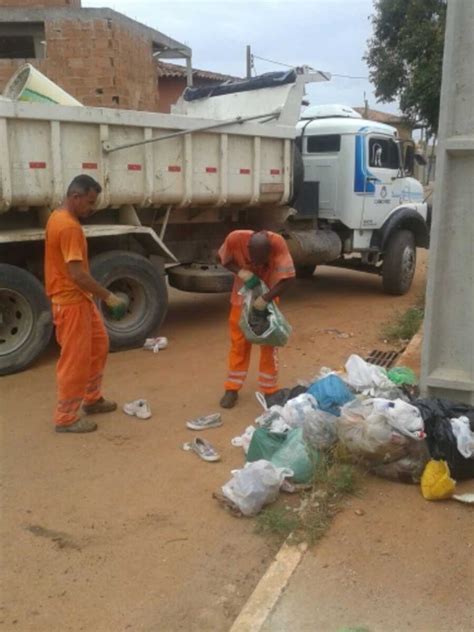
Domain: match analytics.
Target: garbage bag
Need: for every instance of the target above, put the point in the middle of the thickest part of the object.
(437, 414)
(264, 444)
(255, 485)
(409, 468)
(291, 415)
(464, 436)
(368, 435)
(436, 482)
(368, 379)
(331, 393)
(279, 398)
(320, 430)
(402, 416)
(278, 330)
(402, 376)
(243, 441)
(293, 454)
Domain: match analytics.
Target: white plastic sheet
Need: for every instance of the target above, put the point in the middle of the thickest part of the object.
(367, 378)
(464, 436)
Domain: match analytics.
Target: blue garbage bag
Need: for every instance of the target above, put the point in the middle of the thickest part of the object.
(331, 393)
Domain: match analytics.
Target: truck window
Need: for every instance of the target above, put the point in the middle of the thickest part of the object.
(383, 153)
(324, 144)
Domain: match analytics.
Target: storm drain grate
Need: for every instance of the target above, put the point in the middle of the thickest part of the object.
(384, 359)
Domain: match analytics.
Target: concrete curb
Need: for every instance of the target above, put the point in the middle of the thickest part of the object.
(269, 589)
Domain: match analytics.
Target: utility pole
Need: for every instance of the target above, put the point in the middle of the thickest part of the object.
(248, 56)
(448, 346)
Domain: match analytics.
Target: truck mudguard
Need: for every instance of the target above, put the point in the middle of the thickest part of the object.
(406, 218)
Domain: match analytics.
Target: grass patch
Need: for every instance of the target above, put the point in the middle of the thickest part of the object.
(404, 326)
(333, 481)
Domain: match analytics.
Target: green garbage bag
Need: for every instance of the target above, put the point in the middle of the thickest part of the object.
(402, 375)
(279, 329)
(264, 444)
(294, 455)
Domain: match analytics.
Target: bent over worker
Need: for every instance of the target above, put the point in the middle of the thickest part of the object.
(251, 254)
(80, 331)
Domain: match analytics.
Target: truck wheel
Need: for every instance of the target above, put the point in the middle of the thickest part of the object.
(25, 319)
(399, 263)
(132, 276)
(305, 272)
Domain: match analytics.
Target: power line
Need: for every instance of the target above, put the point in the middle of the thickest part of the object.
(279, 63)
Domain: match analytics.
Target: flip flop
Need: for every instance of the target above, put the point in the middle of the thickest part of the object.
(203, 449)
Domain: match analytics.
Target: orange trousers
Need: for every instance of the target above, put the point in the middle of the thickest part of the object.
(84, 343)
(239, 359)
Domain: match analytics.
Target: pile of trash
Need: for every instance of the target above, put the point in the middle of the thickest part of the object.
(367, 415)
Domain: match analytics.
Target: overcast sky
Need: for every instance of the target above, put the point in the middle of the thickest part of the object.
(325, 34)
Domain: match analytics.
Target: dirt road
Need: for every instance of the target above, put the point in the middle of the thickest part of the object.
(117, 530)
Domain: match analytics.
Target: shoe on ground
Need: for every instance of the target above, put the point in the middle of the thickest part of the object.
(78, 427)
(203, 449)
(139, 408)
(202, 423)
(100, 406)
(229, 399)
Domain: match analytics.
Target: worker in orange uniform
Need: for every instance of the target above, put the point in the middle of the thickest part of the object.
(80, 331)
(249, 255)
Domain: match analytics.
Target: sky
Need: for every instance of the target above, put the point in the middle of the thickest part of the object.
(328, 35)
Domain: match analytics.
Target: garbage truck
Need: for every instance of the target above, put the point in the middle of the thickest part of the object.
(338, 188)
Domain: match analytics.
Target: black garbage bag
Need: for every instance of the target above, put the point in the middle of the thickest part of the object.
(279, 398)
(440, 437)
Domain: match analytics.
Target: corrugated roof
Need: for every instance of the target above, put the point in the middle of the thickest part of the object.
(176, 71)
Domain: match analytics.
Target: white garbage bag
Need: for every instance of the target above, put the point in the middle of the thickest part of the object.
(320, 429)
(292, 415)
(243, 441)
(464, 436)
(367, 378)
(401, 416)
(255, 485)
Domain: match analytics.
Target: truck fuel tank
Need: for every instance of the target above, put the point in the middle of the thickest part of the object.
(313, 247)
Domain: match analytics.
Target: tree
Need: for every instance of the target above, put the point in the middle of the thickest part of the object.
(405, 56)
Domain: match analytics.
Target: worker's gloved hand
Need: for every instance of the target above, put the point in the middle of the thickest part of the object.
(260, 304)
(116, 306)
(249, 279)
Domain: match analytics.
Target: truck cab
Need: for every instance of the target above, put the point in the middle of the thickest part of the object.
(358, 183)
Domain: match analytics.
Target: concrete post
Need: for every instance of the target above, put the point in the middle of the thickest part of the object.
(448, 351)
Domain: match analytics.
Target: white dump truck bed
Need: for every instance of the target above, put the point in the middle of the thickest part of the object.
(235, 158)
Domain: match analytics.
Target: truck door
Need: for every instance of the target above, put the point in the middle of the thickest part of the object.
(382, 185)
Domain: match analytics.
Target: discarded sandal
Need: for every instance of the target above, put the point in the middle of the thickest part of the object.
(203, 449)
(202, 423)
(139, 408)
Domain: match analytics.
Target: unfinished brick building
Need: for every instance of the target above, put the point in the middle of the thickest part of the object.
(99, 56)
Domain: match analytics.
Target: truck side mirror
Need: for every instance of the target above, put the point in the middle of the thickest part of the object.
(408, 158)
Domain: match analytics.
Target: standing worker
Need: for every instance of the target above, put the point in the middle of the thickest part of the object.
(251, 256)
(80, 331)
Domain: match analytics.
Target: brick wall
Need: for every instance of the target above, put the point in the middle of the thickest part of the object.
(41, 4)
(101, 62)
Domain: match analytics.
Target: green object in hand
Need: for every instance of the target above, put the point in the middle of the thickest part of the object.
(252, 282)
(117, 312)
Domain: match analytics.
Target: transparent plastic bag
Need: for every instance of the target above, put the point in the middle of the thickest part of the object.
(255, 485)
(279, 329)
(367, 378)
(320, 430)
(464, 436)
(402, 416)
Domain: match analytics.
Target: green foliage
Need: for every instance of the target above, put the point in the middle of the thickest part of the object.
(405, 56)
(276, 521)
(405, 325)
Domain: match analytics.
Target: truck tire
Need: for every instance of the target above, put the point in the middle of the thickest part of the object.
(132, 276)
(26, 323)
(305, 272)
(399, 263)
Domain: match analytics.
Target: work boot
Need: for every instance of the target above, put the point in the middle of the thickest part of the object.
(79, 426)
(229, 399)
(100, 406)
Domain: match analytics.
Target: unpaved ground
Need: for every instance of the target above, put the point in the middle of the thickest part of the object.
(117, 530)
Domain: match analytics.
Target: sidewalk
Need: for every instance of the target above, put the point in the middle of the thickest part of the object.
(391, 562)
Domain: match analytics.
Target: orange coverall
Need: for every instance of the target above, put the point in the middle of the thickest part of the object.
(80, 331)
(280, 266)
